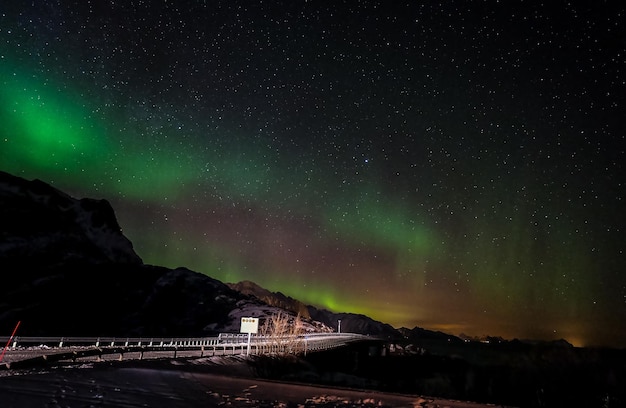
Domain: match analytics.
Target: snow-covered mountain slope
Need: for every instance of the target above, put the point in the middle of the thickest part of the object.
(68, 270)
(44, 225)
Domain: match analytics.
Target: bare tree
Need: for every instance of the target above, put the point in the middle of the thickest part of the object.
(282, 333)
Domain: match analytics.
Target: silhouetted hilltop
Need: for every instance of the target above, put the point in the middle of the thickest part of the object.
(69, 270)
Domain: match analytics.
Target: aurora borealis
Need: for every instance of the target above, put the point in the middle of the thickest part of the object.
(456, 166)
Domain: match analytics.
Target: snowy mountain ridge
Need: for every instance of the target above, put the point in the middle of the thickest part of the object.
(37, 218)
(61, 256)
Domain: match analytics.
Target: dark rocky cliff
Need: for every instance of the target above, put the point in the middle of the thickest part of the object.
(68, 270)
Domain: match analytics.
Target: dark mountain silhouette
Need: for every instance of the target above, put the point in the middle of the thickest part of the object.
(69, 270)
(42, 226)
(276, 299)
(350, 322)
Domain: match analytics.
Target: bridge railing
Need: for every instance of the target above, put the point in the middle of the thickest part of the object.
(48, 349)
(180, 342)
(43, 342)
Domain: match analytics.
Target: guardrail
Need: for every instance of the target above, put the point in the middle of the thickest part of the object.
(26, 351)
(221, 339)
(109, 341)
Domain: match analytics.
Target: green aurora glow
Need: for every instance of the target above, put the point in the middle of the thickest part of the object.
(446, 228)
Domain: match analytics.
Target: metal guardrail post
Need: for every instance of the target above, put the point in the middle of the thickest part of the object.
(228, 344)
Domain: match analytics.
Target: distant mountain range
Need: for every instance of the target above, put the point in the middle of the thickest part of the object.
(67, 270)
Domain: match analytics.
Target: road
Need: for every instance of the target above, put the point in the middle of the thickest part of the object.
(21, 351)
(35, 357)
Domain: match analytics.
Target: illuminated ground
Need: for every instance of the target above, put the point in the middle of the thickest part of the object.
(123, 387)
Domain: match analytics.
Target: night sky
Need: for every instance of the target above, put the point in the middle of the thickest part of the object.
(452, 165)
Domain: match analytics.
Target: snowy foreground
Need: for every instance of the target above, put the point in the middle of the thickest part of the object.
(208, 382)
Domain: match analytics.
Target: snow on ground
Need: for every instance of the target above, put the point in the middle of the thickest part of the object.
(211, 382)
